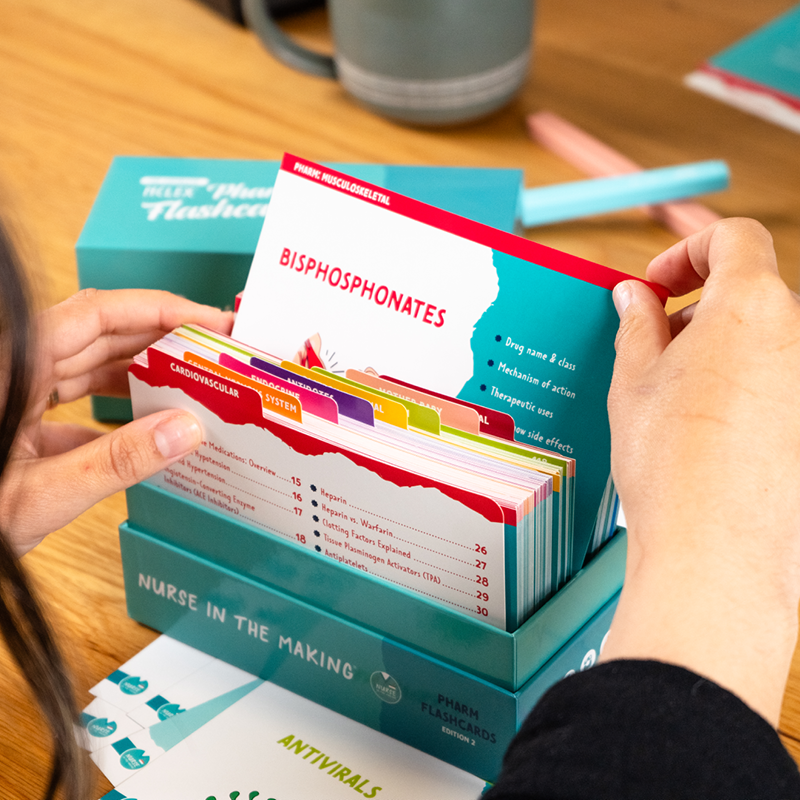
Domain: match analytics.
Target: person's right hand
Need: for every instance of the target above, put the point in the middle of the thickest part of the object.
(705, 425)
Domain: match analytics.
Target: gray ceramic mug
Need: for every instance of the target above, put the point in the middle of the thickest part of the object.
(430, 62)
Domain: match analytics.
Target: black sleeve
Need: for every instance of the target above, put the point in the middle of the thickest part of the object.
(643, 729)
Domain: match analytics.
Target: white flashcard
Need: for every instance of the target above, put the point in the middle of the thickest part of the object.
(274, 744)
(128, 754)
(102, 723)
(214, 679)
(149, 673)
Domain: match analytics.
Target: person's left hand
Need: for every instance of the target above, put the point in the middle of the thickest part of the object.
(84, 346)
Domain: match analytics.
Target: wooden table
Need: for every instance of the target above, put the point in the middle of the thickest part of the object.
(89, 79)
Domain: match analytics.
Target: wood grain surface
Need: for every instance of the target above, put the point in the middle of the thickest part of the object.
(83, 81)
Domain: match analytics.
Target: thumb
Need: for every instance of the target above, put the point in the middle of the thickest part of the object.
(128, 455)
(644, 332)
(50, 492)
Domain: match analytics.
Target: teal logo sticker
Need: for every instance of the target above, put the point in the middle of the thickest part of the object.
(169, 710)
(588, 660)
(101, 727)
(133, 684)
(134, 759)
(385, 687)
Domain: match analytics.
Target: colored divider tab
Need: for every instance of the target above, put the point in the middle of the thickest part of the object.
(493, 422)
(386, 409)
(349, 405)
(421, 417)
(215, 341)
(281, 403)
(451, 413)
(230, 356)
(232, 402)
(319, 405)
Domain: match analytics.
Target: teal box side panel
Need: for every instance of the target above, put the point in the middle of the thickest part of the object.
(579, 653)
(587, 593)
(507, 660)
(212, 278)
(361, 675)
(139, 205)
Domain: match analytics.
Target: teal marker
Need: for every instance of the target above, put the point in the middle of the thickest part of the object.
(564, 201)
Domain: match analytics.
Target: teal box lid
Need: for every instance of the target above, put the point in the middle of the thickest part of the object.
(190, 226)
(505, 659)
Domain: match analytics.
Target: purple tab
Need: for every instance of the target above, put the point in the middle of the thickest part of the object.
(349, 406)
(319, 405)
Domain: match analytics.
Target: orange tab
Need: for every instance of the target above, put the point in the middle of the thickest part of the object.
(274, 400)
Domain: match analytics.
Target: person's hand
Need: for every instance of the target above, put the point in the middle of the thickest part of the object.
(705, 432)
(84, 346)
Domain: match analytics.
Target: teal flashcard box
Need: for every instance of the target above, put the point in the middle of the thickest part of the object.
(190, 226)
(454, 687)
(506, 659)
(361, 673)
(247, 587)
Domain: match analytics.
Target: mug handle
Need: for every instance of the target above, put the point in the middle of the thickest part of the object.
(281, 46)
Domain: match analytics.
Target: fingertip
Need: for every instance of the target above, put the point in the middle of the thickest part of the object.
(632, 293)
(217, 319)
(644, 328)
(228, 318)
(622, 297)
(177, 435)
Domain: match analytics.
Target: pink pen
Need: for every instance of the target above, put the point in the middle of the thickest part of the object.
(598, 160)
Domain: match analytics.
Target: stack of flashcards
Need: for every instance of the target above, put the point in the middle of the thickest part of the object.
(434, 384)
(174, 722)
(379, 476)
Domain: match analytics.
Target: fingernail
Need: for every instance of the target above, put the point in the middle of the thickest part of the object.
(622, 297)
(177, 435)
